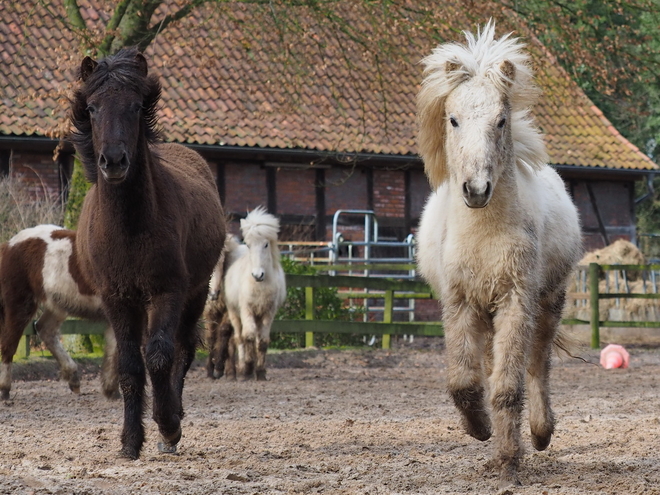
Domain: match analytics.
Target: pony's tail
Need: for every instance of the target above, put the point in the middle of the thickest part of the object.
(566, 344)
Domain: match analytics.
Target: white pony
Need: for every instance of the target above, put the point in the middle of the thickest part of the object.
(254, 288)
(498, 238)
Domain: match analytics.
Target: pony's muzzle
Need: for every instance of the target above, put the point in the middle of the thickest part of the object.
(259, 275)
(477, 195)
(114, 162)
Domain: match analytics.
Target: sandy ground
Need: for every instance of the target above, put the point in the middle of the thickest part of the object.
(345, 422)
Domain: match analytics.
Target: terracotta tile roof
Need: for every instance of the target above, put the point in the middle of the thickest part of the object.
(226, 81)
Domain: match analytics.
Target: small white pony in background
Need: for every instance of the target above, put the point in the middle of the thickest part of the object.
(498, 238)
(254, 289)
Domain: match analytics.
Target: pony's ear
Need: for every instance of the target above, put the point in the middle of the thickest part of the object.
(451, 66)
(508, 71)
(142, 64)
(87, 67)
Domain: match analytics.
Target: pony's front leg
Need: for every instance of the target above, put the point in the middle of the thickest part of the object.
(236, 345)
(186, 343)
(48, 329)
(247, 354)
(541, 417)
(164, 317)
(127, 323)
(513, 325)
(465, 334)
(263, 341)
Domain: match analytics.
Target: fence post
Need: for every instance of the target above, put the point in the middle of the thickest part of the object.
(309, 314)
(594, 272)
(388, 310)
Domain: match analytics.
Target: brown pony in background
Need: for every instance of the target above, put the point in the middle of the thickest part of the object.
(150, 232)
(38, 267)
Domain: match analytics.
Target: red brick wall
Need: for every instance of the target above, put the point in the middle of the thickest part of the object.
(419, 192)
(38, 172)
(245, 187)
(295, 191)
(345, 189)
(389, 193)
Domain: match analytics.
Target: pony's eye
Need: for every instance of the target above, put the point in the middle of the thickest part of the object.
(91, 109)
(501, 123)
(266, 245)
(453, 122)
(136, 108)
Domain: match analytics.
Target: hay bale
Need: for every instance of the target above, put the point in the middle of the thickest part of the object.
(620, 252)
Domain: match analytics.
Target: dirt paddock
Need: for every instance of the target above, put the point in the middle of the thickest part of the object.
(344, 422)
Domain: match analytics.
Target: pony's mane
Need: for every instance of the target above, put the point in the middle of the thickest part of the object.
(122, 69)
(260, 224)
(451, 64)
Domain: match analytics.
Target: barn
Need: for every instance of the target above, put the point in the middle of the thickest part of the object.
(305, 121)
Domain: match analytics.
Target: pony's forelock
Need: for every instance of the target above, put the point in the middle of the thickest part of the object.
(121, 68)
(260, 224)
(481, 56)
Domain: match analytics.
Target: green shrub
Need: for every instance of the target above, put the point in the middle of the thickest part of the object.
(77, 190)
(327, 306)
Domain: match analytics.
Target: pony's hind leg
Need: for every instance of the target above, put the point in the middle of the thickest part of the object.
(464, 339)
(48, 329)
(211, 338)
(109, 378)
(17, 314)
(541, 417)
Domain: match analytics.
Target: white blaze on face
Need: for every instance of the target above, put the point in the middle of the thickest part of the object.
(260, 258)
(478, 134)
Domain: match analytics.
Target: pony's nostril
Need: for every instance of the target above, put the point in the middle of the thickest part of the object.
(466, 189)
(124, 160)
(489, 188)
(103, 161)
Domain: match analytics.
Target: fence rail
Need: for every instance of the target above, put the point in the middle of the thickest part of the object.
(390, 288)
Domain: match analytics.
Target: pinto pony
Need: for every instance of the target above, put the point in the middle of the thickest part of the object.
(498, 238)
(253, 287)
(150, 232)
(38, 266)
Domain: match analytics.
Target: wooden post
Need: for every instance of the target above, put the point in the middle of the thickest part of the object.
(388, 311)
(594, 272)
(309, 314)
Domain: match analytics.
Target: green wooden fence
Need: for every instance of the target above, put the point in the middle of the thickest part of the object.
(390, 289)
(594, 296)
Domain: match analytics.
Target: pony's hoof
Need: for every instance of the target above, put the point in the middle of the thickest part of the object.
(129, 453)
(74, 389)
(4, 394)
(217, 374)
(111, 394)
(261, 375)
(166, 449)
(541, 442)
(168, 443)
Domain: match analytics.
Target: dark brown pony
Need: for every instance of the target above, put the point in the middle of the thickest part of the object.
(150, 232)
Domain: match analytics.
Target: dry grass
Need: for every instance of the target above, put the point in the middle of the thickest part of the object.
(19, 209)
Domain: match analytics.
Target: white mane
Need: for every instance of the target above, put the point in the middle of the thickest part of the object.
(260, 224)
(451, 64)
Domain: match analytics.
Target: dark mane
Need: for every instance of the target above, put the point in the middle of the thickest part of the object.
(124, 70)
